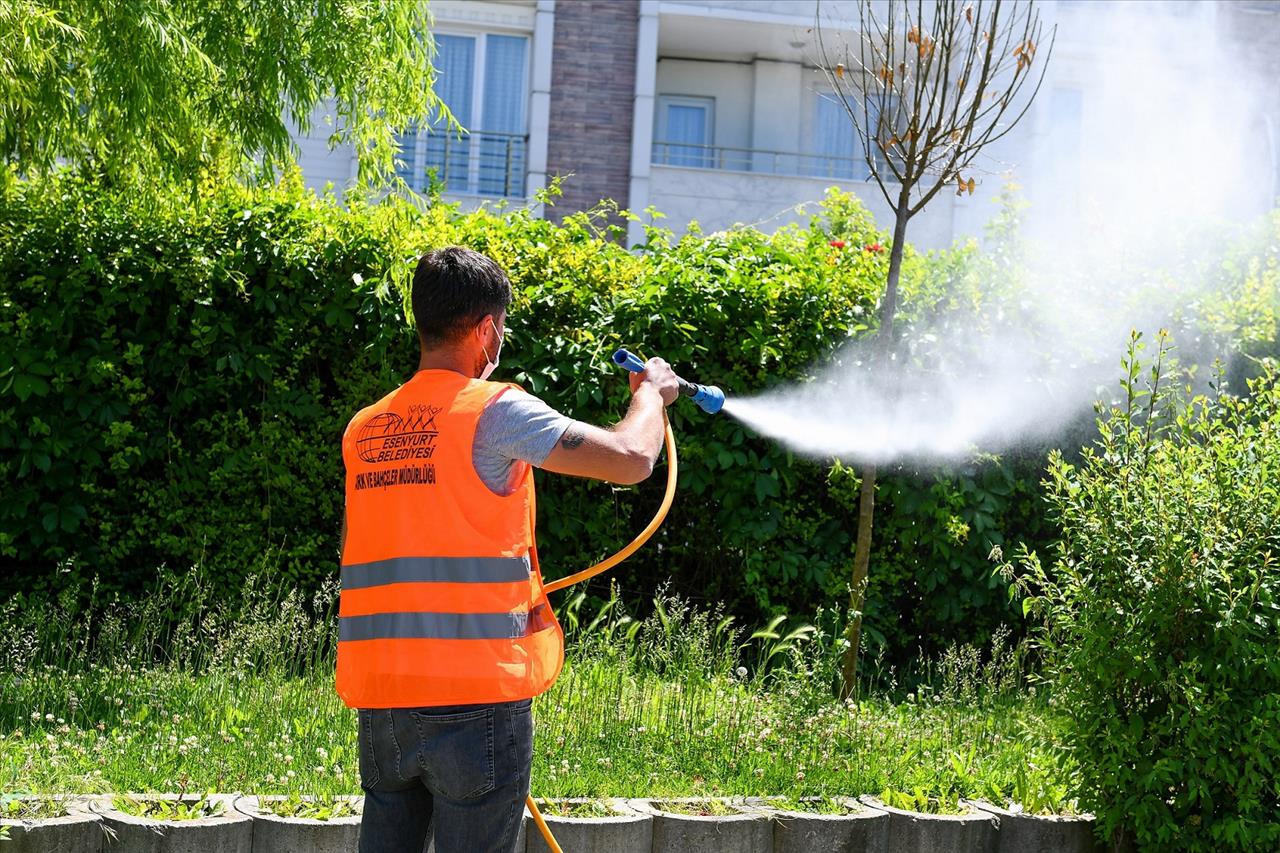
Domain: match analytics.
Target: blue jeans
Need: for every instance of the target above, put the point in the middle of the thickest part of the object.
(460, 773)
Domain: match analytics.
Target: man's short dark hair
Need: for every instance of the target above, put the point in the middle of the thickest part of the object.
(453, 288)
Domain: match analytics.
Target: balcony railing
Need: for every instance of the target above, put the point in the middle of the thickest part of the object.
(760, 161)
(481, 162)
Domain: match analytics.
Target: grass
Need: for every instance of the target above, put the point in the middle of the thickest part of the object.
(678, 704)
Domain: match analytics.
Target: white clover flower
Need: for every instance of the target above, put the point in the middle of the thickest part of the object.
(322, 752)
(291, 774)
(742, 672)
(48, 718)
(35, 716)
(271, 778)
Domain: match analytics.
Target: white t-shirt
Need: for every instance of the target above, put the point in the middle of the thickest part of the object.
(516, 427)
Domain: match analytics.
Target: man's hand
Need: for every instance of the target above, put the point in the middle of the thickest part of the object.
(625, 453)
(658, 374)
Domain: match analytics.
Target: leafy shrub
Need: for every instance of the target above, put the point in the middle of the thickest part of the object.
(170, 808)
(181, 370)
(18, 807)
(1160, 615)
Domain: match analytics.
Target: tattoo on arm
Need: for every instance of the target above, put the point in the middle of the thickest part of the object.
(573, 439)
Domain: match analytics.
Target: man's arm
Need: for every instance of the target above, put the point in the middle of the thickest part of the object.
(626, 452)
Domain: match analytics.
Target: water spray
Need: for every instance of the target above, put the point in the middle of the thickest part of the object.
(708, 397)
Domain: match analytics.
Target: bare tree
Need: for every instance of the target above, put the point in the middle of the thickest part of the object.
(927, 86)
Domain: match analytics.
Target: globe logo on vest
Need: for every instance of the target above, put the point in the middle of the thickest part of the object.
(388, 437)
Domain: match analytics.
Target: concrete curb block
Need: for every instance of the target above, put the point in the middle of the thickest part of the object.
(1027, 833)
(917, 832)
(80, 831)
(275, 834)
(749, 831)
(629, 831)
(863, 831)
(230, 832)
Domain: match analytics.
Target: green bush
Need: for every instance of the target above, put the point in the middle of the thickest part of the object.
(181, 369)
(1160, 616)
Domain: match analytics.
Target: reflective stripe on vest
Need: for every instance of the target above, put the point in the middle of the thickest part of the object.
(436, 570)
(442, 600)
(444, 626)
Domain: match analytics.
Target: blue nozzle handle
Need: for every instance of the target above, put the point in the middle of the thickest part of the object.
(709, 398)
(629, 360)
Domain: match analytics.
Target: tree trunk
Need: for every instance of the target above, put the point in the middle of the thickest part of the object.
(867, 494)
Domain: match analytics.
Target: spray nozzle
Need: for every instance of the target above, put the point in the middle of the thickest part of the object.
(709, 398)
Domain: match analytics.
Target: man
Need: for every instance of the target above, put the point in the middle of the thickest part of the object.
(444, 631)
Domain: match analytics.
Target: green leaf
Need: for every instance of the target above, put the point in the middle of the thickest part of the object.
(26, 385)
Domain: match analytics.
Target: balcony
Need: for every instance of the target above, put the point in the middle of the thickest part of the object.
(720, 186)
(478, 163)
(760, 161)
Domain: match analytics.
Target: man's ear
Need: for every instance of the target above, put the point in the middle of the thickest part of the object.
(482, 328)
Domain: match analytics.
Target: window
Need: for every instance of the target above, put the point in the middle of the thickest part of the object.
(837, 141)
(684, 131)
(1066, 113)
(483, 81)
(893, 124)
(839, 146)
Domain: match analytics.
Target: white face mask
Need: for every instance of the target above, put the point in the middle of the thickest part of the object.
(491, 366)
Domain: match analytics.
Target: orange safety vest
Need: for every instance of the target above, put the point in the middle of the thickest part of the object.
(442, 600)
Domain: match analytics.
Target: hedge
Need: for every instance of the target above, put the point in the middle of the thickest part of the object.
(180, 369)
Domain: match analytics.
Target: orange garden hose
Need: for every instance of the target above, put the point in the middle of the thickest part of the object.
(604, 566)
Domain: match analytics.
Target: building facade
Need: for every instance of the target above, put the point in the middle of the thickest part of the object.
(717, 111)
